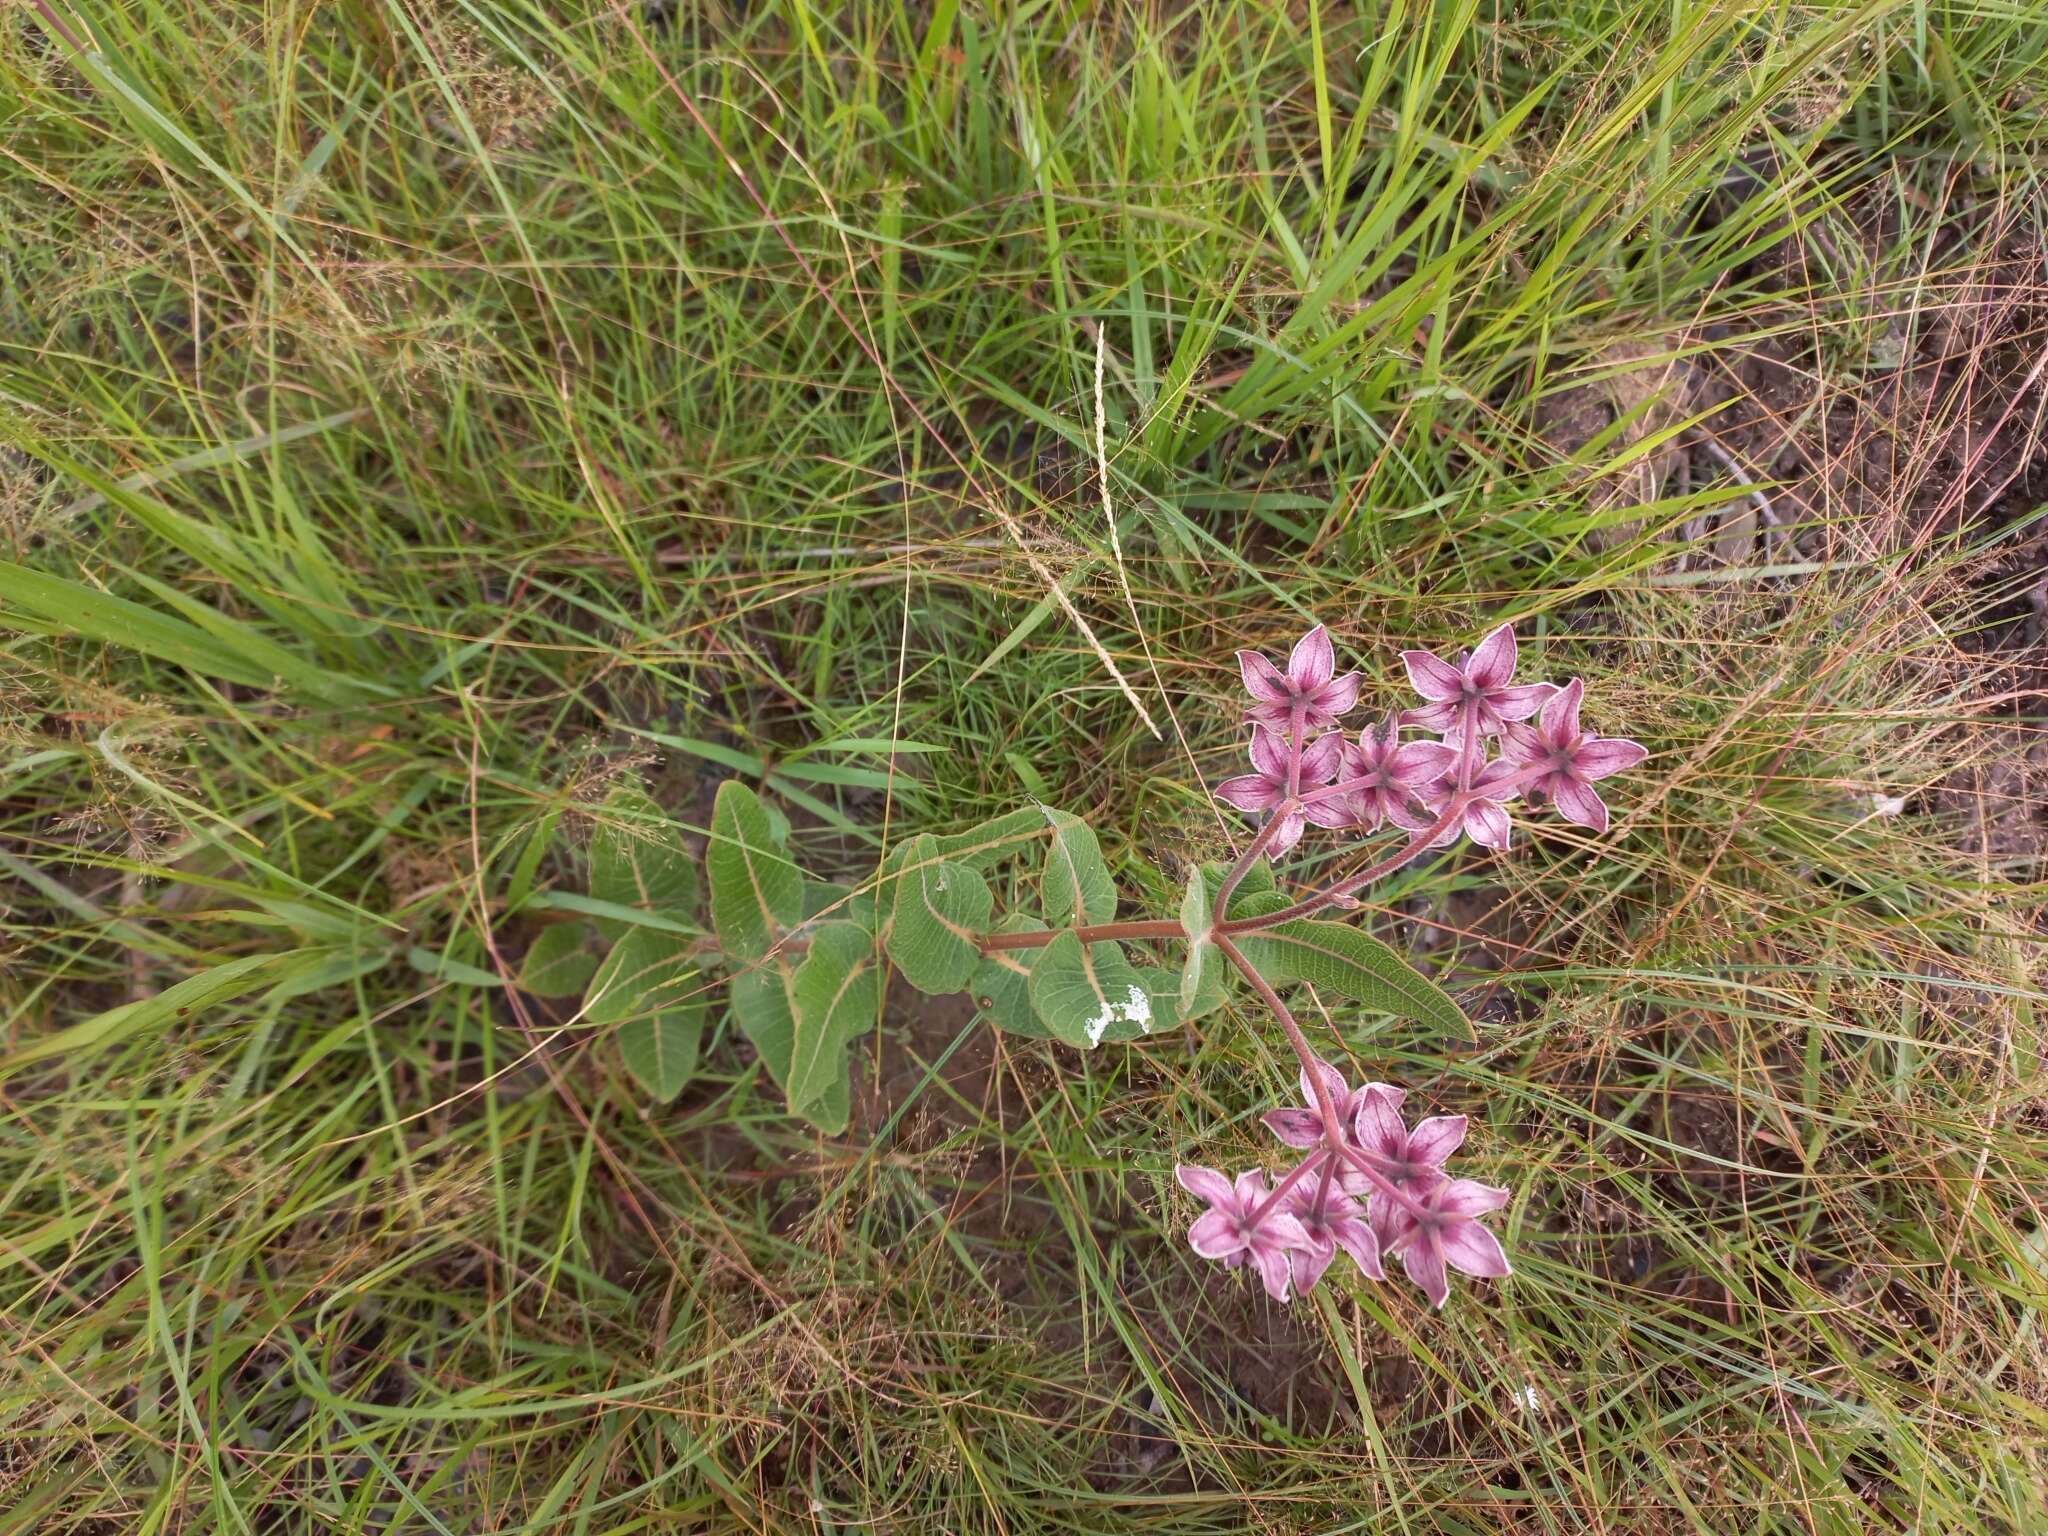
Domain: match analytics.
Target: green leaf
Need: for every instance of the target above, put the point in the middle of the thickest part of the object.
(839, 904)
(1340, 958)
(757, 895)
(1200, 987)
(1001, 985)
(941, 911)
(761, 1001)
(1086, 994)
(1076, 887)
(991, 842)
(557, 964)
(835, 995)
(1251, 891)
(637, 860)
(1162, 987)
(650, 989)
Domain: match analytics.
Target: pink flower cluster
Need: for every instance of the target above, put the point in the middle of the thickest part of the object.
(1306, 772)
(1368, 1185)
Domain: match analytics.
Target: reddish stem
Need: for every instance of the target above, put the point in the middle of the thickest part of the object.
(1312, 1074)
(1093, 933)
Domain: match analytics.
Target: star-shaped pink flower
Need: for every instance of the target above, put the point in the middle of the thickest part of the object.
(1235, 1230)
(1304, 1127)
(1485, 816)
(1387, 775)
(1411, 1161)
(1267, 787)
(1446, 1235)
(1332, 1219)
(1482, 682)
(1571, 759)
(1309, 682)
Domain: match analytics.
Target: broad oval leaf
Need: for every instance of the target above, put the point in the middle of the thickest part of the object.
(1077, 886)
(757, 894)
(991, 842)
(1340, 958)
(1001, 984)
(1256, 884)
(650, 988)
(637, 859)
(1200, 986)
(835, 995)
(940, 913)
(763, 1001)
(1088, 993)
(558, 963)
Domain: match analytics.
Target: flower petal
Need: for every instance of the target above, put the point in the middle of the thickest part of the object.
(1603, 755)
(1488, 825)
(1312, 661)
(1337, 812)
(1442, 718)
(1378, 1122)
(1248, 1189)
(1333, 1081)
(1433, 677)
(1319, 759)
(1262, 680)
(1269, 756)
(1309, 1264)
(1469, 1197)
(1205, 1184)
(1578, 801)
(1493, 660)
(1424, 1262)
(1561, 712)
(1283, 841)
(1295, 1127)
(1521, 701)
(1216, 1235)
(1435, 1139)
(1357, 1238)
(1250, 792)
(1276, 1269)
(1339, 696)
(1470, 1247)
(1415, 763)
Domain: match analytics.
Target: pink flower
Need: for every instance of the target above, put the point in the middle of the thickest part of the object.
(1386, 775)
(1243, 1223)
(1268, 788)
(1482, 683)
(1446, 1233)
(1332, 1219)
(1570, 759)
(1304, 1127)
(1411, 1161)
(1485, 817)
(1307, 683)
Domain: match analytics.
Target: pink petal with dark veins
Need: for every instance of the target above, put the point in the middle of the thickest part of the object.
(1313, 661)
(1493, 660)
(1262, 680)
(1433, 677)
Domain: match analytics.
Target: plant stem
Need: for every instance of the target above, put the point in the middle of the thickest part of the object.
(1311, 1064)
(1293, 1176)
(1094, 933)
(1245, 861)
(1308, 906)
(1312, 1074)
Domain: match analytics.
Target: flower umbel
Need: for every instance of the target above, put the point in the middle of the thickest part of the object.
(1367, 1184)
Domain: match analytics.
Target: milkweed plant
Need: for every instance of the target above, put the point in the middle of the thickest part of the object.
(803, 961)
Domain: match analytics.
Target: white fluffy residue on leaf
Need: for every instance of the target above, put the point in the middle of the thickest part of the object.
(1136, 1008)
